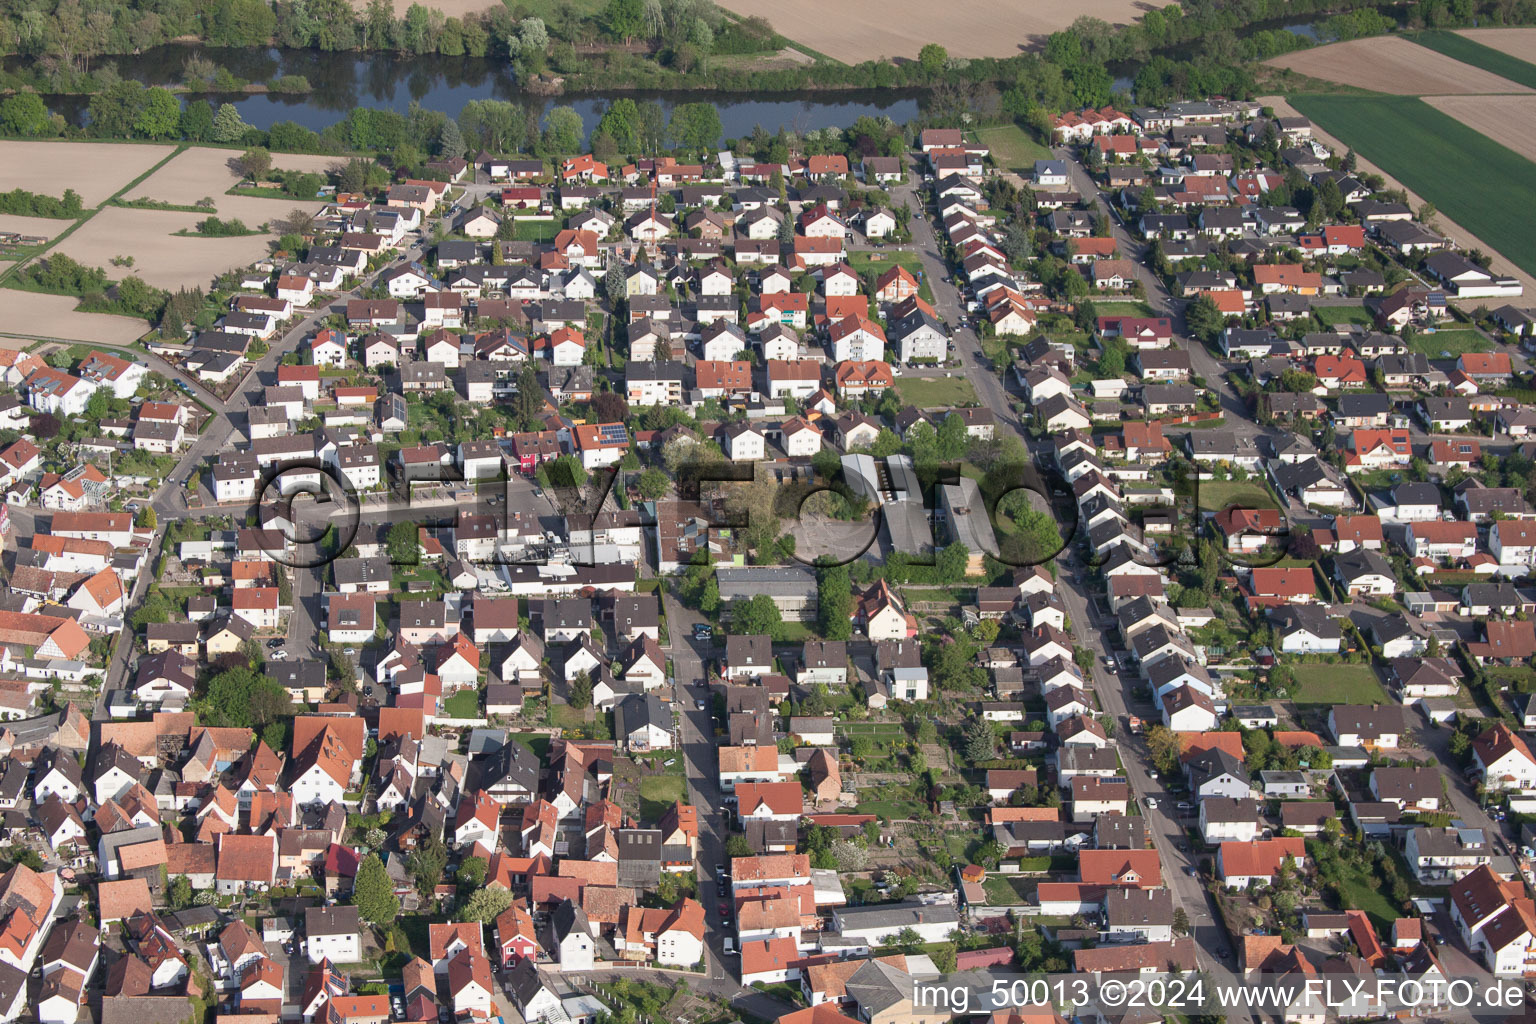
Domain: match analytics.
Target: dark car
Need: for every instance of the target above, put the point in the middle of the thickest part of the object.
(701, 631)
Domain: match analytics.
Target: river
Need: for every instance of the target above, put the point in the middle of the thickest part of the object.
(341, 81)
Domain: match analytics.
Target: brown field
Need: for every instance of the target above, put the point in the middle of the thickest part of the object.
(160, 257)
(1508, 120)
(859, 30)
(201, 171)
(96, 170)
(42, 227)
(1517, 42)
(1394, 65)
(33, 314)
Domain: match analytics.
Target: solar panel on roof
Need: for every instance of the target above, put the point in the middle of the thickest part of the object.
(612, 432)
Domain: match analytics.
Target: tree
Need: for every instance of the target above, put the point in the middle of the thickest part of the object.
(834, 596)
(757, 615)
(695, 126)
(485, 905)
(625, 18)
(979, 741)
(374, 894)
(562, 131)
(528, 402)
(653, 484)
(179, 894)
(227, 125)
(610, 407)
(402, 544)
(160, 115)
(1205, 321)
(25, 113)
(736, 845)
(1163, 745)
(1180, 921)
(426, 864)
(254, 163)
(472, 872)
(581, 691)
(932, 58)
(147, 518)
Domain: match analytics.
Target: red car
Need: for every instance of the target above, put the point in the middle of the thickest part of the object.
(725, 910)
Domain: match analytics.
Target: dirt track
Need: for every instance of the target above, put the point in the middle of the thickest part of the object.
(1508, 120)
(1393, 65)
(858, 30)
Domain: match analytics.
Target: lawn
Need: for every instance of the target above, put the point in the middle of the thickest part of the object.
(896, 805)
(1007, 890)
(881, 260)
(936, 392)
(1479, 56)
(1486, 188)
(1454, 341)
(1012, 147)
(658, 792)
(463, 704)
(1218, 494)
(1332, 316)
(1121, 307)
(1336, 684)
(1360, 889)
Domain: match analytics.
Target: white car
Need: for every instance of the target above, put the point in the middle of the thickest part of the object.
(1151, 803)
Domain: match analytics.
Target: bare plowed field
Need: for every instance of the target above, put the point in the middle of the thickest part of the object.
(53, 316)
(41, 227)
(1508, 120)
(1392, 65)
(201, 172)
(160, 257)
(859, 30)
(96, 170)
(1517, 42)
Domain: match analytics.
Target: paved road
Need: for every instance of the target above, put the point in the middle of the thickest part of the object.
(1091, 633)
(702, 765)
(1163, 303)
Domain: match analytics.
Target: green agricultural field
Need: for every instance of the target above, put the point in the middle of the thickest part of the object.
(1459, 47)
(1455, 341)
(1337, 684)
(1012, 148)
(1486, 188)
(936, 392)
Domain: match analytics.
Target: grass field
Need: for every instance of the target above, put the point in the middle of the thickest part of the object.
(1336, 684)
(1455, 341)
(936, 392)
(1218, 494)
(1121, 307)
(1332, 316)
(1008, 890)
(525, 230)
(1484, 187)
(658, 792)
(1012, 148)
(1459, 47)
